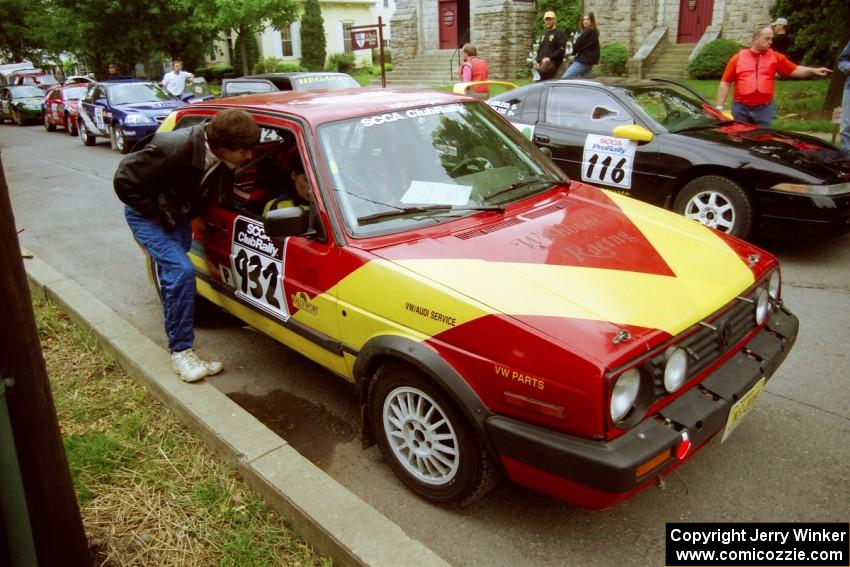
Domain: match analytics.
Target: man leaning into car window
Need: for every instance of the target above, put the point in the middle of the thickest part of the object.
(163, 187)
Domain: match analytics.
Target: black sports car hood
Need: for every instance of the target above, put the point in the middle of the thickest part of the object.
(811, 155)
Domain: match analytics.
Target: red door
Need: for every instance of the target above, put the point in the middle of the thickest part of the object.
(448, 24)
(694, 17)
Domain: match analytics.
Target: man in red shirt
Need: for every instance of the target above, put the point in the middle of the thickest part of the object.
(753, 70)
(474, 69)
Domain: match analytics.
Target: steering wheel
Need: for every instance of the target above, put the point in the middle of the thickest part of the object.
(473, 164)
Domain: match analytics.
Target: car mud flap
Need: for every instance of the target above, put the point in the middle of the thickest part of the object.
(112, 139)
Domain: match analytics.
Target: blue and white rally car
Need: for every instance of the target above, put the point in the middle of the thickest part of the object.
(123, 111)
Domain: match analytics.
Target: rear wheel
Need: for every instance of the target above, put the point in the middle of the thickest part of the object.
(70, 125)
(48, 125)
(717, 202)
(86, 138)
(426, 440)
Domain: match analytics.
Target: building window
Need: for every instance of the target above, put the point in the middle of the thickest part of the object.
(286, 41)
(346, 36)
(386, 3)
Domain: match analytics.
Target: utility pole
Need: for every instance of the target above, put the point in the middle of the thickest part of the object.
(54, 515)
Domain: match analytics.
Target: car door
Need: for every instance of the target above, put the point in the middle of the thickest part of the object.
(285, 280)
(576, 122)
(5, 103)
(92, 110)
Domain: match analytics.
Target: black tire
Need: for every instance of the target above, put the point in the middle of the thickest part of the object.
(85, 137)
(717, 202)
(48, 125)
(119, 139)
(70, 125)
(436, 475)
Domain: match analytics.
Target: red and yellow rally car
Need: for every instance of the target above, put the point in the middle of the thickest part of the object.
(494, 316)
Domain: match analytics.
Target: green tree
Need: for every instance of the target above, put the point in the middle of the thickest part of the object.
(248, 17)
(568, 12)
(16, 37)
(313, 41)
(819, 31)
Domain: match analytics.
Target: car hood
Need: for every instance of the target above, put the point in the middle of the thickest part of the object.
(806, 153)
(589, 262)
(153, 108)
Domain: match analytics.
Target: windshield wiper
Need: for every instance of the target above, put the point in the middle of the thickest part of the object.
(404, 211)
(521, 184)
(703, 126)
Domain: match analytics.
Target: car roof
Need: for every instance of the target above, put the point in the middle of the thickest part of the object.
(321, 106)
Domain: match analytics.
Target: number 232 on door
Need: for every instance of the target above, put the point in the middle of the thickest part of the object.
(608, 160)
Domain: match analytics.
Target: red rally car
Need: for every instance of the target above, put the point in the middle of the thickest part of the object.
(495, 317)
(59, 107)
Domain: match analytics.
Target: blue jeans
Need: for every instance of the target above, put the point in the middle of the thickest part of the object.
(845, 118)
(169, 249)
(761, 115)
(577, 70)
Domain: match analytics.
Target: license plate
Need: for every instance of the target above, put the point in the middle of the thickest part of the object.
(741, 407)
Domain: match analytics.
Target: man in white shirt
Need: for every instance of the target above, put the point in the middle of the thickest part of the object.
(175, 80)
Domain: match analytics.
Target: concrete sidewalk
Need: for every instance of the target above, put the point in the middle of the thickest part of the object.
(332, 519)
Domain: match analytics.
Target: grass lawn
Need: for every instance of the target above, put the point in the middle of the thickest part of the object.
(150, 493)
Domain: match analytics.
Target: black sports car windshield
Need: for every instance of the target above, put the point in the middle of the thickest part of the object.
(674, 109)
(314, 82)
(132, 93)
(418, 166)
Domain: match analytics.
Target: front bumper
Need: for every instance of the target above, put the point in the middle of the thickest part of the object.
(786, 215)
(598, 474)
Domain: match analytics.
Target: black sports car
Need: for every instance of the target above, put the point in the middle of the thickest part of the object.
(658, 141)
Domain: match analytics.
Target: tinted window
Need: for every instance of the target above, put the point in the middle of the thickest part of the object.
(75, 93)
(248, 87)
(585, 109)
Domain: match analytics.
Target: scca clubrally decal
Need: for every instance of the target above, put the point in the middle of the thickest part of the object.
(256, 262)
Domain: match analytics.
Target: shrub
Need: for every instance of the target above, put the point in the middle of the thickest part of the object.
(711, 61)
(218, 72)
(342, 62)
(388, 56)
(614, 57)
(313, 42)
(287, 67)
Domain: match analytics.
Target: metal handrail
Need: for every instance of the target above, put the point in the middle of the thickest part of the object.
(462, 42)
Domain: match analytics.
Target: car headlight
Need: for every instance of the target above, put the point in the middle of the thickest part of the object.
(624, 394)
(802, 188)
(138, 119)
(676, 370)
(762, 306)
(773, 285)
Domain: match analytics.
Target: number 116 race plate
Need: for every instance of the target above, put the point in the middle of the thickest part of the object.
(608, 161)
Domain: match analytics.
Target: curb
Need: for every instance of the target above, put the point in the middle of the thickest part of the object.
(335, 521)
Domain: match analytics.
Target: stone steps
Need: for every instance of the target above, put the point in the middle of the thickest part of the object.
(426, 69)
(672, 62)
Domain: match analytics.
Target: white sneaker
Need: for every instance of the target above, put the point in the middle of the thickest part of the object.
(191, 367)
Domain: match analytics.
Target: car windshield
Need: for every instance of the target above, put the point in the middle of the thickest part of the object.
(131, 93)
(26, 92)
(74, 93)
(324, 82)
(674, 109)
(419, 166)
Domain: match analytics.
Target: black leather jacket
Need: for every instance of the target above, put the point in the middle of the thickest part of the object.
(163, 180)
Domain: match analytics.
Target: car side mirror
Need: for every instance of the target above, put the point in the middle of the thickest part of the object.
(288, 221)
(632, 132)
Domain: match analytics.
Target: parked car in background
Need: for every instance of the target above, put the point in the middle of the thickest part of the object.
(77, 79)
(271, 82)
(7, 71)
(60, 107)
(20, 104)
(493, 316)
(662, 143)
(123, 112)
(34, 78)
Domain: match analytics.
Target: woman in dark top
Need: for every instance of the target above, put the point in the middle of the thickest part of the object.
(585, 49)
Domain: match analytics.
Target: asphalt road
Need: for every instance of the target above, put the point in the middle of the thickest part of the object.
(788, 461)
